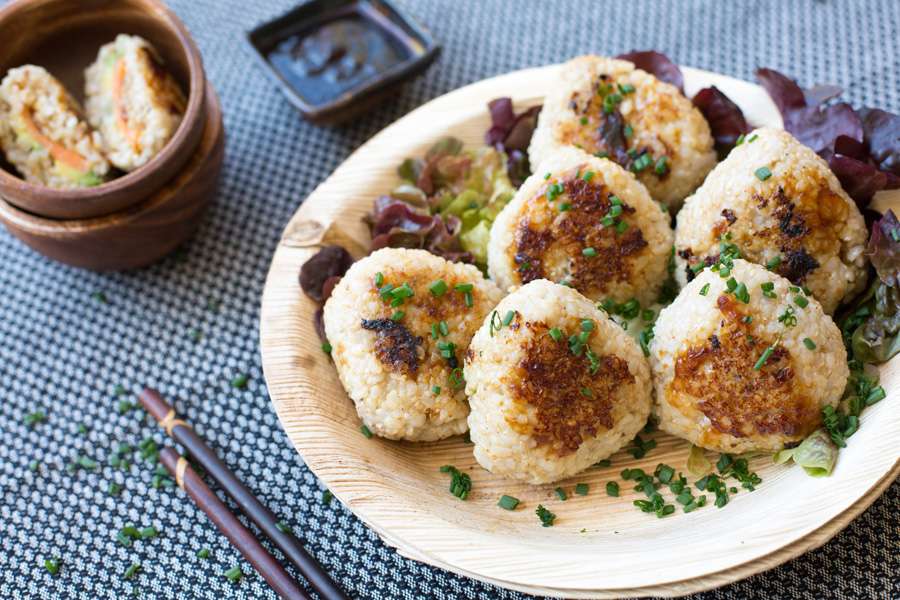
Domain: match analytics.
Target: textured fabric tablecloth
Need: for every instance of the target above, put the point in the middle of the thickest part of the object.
(64, 351)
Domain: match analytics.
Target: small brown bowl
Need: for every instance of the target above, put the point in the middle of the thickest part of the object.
(140, 234)
(64, 36)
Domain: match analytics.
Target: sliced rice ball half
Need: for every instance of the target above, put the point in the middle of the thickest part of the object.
(745, 362)
(554, 385)
(399, 323)
(608, 107)
(44, 135)
(133, 101)
(585, 222)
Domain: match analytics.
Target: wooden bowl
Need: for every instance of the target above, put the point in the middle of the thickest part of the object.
(600, 546)
(140, 234)
(64, 36)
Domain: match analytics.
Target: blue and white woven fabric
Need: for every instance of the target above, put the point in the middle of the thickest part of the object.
(64, 351)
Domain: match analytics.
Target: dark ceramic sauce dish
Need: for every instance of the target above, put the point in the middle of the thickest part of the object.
(333, 59)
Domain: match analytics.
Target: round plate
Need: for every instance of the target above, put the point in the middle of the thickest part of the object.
(600, 546)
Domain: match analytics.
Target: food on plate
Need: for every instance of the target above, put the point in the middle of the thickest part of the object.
(743, 360)
(44, 135)
(586, 222)
(780, 205)
(609, 108)
(133, 102)
(446, 203)
(554, 386)
(398, 324)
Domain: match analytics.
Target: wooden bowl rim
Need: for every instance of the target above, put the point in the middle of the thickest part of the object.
(115, 192)
(448, 541)
(38, 225)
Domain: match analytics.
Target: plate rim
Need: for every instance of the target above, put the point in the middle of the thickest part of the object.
(808, 541)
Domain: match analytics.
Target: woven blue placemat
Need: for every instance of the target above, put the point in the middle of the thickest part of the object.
(68, 338)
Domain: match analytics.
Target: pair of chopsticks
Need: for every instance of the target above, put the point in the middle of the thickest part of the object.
(241, 537)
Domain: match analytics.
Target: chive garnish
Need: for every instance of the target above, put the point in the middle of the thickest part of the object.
(662, 165)
(32, 419)
(587, 325)
(34, 465)
(444, 329)
(589, 252)
(621, 227)
(463, 287)
(379, 279)
(588, 175)
(284, 527)
(811, 345)
(561, 493)
(234, 574)
(326, 348)
(507, 319)
(587, 393)
(52, 565)
(508, 502)
(435, 389)
(704, 290)
(203, 553)
(546, 176)
(438, 288)
(762, 173)
(240, 382)
(801, 301)
(556, 334)
(773, 263)
(131, 571)
(612, 489)
(399, 314)
(114, 489)
(767, 353)
(545, 516)
(581, 489)
(365, 431)
(460, 483)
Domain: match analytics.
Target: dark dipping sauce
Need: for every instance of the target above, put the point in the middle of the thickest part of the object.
(343, 52)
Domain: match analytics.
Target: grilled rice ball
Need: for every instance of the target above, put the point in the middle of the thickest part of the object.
(545, 405)
(736, 376)
(587, 222)
(43, 133)
(133, 101)
(781, 205)
(608, 106)
(399, 323)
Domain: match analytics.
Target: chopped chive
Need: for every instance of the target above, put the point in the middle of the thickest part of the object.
(507, 319)
(234, 574)
(763, 358)
(612, 489)
(588, 175)
(747, 319)
(561, 493)
(739, 140)
(114, 489)
(704, 290)
(731, 284)
(379, 279)
(752, 138)
(615, 210)
(470, 301)
(587, 393)
(587, 325)
(438, 288)
(326, 348)
(546, 176)
(564, 206)
(581, 489)
(584, 120)
(240, 382)
(203, 553)
(508, 502)
(662, 165)
(326, 499)
(32, 419)
(148, 533)
(801, 301)
(628, 131)
(875, 395)
(811, 345)
(626, 88)
(399, 314)
(773, 263)
(556, 334)
(545, 516)
(615, 200)
(589, 252)
(284, 527)
(131, 571)
(34, 465)
(435, 389)
(52, 565)
(365, 431)
(464, 287)
(621, 227)
(742, 294)
(762, 173)
(607, 221)
(444, 329)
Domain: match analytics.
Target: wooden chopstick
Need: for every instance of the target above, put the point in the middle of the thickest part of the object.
(181, 432)
(241, 537)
